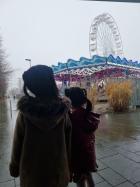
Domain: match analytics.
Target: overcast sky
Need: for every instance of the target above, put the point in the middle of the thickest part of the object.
(54, 31)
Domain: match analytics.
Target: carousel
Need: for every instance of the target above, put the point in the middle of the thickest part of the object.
(96, 68)
(98, 72)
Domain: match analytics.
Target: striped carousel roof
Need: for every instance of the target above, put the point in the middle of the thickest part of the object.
(85, 66)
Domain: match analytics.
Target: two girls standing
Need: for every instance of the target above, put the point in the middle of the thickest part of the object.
(42, 155)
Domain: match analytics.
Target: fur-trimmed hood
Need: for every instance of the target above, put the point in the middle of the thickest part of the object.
(45, 115)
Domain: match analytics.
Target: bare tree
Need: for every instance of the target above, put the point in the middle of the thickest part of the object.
(5, 71)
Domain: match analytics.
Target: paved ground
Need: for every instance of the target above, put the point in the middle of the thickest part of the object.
(117, 147)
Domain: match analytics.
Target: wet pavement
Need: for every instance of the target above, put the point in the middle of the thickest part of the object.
(117, 148)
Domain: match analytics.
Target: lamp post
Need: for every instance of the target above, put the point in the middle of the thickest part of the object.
(29, 60)
(68, 74)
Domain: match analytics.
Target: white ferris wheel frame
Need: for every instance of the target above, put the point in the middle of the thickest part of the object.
(109, 20)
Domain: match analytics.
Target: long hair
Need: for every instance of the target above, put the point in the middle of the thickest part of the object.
(40, 81)
(78, 97)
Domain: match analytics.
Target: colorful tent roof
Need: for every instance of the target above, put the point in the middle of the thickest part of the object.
(94, 62)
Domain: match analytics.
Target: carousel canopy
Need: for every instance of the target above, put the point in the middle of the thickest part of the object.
(96, 63)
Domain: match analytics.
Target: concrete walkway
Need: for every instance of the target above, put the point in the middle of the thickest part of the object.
(117, 148)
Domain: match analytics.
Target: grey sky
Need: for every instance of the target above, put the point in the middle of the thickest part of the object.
(52, 31)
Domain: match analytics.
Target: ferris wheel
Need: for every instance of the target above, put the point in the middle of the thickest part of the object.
(104, 37)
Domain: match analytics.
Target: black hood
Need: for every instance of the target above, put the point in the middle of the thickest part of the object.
(43, 114)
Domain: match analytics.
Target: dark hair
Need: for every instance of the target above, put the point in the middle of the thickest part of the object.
(40, 81)
(85, 91)
(78, 97)
(67, 92)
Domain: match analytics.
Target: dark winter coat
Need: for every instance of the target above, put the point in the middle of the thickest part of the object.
(41, 145)
(83, 141)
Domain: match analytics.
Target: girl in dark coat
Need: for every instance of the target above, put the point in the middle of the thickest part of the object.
(84, 124)
(42, 137)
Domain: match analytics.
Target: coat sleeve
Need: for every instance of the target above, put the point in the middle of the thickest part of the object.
(17, 146)
(92, 122)
(68, 132)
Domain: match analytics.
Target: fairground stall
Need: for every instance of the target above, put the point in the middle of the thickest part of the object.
(97, 71)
